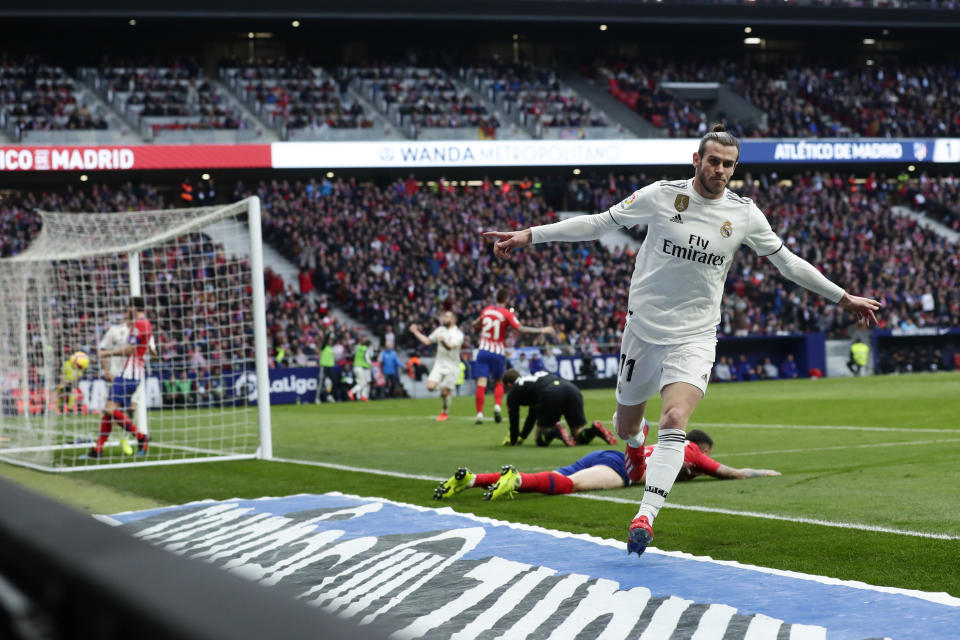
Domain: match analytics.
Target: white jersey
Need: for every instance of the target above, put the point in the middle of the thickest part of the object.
(448, 360)
(115, 338)
(681, 268)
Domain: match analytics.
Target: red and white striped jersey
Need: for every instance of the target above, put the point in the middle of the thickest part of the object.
(135, 368)
(494, 321)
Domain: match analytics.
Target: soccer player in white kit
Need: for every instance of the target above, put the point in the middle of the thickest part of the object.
(694, 228)
(446, 367)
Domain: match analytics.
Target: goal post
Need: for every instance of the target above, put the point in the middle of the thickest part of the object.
(204, 394)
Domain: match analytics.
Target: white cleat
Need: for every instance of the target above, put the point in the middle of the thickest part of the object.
(479, 419)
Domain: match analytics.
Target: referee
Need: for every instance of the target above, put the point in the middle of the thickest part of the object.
(549, 398)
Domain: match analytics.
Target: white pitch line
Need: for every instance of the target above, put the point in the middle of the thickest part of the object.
(683, 507)
(841, 447)
(771, 516)
(695, 424)
(818, 427)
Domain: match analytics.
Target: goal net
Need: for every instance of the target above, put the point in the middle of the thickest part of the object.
(203, 390)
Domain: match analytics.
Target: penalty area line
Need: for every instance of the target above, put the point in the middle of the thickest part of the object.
(683, 507)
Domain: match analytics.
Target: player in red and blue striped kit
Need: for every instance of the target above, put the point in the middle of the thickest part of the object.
(491, 361)
(125, 384)
(603, 469)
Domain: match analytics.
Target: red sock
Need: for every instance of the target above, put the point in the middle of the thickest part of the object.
(498, 392)
(106, 426)
(486, 479)
(481, 396)
(546, 482)
(124, 422)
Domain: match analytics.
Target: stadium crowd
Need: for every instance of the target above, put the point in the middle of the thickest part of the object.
(535, 92)
(295, 95)
(176, 96)
(425, 96)
(403, 253)
(35, 96)
(406, 253)
(799, 98)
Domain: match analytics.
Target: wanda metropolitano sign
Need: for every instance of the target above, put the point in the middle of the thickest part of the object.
(461, 153)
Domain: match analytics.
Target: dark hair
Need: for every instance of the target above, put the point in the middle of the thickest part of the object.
(503, 295)
(510, 377)
(138, 303)
(697, 436)
(720, 135)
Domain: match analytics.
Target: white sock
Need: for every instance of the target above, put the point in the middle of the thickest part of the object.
(662, 469)
(446, 403)
(637, 440)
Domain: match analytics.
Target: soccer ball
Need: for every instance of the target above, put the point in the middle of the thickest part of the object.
(80, 360)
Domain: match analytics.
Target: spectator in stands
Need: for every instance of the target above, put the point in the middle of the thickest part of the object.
(789, 367)
(179, 392)
(521, 364)
(390, 365)
(745, 370)
(721, 370)
(769, 370)
(536, 363)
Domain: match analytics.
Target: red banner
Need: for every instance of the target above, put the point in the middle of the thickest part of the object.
(133, 157)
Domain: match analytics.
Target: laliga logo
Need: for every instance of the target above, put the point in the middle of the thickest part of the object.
(246, 385)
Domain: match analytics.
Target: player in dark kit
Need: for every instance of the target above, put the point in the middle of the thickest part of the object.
(549, 397)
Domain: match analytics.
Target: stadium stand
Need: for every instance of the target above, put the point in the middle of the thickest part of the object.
(305, 102)
(798, 98)
(407, 251)
(424, 101)
(169, 103)
(40, 97)
(539, 100)
(388, 262)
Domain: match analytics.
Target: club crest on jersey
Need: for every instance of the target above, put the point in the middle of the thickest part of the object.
(682, 202)
(726, 229)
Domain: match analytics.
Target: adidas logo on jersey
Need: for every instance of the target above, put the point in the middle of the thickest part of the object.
(677, 219)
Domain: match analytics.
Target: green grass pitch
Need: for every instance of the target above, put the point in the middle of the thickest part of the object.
(861, 454)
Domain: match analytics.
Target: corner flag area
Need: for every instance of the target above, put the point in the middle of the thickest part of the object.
(439, 574)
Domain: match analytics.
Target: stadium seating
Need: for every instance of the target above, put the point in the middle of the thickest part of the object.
(538, 99)
(37, 97)
(303, 101)
(797, 98)
(169, 103)
(405, 252)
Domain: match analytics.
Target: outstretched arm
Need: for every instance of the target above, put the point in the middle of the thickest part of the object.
(424, 340)
(575, 229)
(542, 330)
(507, 241)
(729, 473)
(863, 307)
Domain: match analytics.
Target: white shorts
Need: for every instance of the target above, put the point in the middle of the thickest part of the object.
(647, 368)
(443, 379)
(137, 397)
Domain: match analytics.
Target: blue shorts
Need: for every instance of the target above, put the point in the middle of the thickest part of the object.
(489, 365)
(607, 457)
(122, 390)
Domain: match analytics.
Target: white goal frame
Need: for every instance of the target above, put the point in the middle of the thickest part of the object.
(62, 239)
